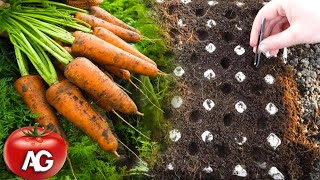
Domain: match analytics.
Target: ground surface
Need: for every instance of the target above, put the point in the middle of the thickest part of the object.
(190, 155)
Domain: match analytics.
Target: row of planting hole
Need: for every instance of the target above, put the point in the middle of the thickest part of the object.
(195, 116)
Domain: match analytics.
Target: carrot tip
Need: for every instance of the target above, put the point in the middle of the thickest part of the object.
(162, 73)
(139, 113)
(116, 153)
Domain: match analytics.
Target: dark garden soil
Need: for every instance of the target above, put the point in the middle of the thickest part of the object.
(190, 154)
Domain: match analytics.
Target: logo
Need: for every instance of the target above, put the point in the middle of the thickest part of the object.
(33, 160)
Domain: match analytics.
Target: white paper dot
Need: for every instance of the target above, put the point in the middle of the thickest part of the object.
(176, 102)
(211, 23)
(241, 140)
(181, 23)
(170, 166)
(208, 104)
(159, 1)
(213, 3)
(273, 141)
(209, 74)
(240, 171)
(275, 174)
(269, 79)
(271, 108)
(207, 170)
(178, 71)
(207, 136)
(185, 1)
(240, 107)
(210, 48)
(175, 135)
(239, 4)
(240, 77)
(239, 50)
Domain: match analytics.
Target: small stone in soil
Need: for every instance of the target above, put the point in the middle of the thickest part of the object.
(240, 107)
(239, 4)
(274, 141)
(181, 23)
(269, 79)
(240, 171)
(208, 104)
(185, 1)
(275, 174)
(170, 167)
(175, 135)
(241, 141)
(240, 77)
(213, 3)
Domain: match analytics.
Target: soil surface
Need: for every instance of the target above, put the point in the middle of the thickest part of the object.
(190, 157)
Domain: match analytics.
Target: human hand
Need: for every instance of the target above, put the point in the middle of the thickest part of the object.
(288, 23)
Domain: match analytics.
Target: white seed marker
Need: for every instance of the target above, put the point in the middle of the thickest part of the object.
(211, 23)
(271, 108)
(239, 4)
(275, 174)
(240, 77)
(269, 79)
(241, 141)
(273, 141)
(213, 3)
(170, 167)
(207, 170)
(240, 171)
(181, 23)
(207, 136)
(208, 104)
(210, 48)
(209, 74)
(175, 135)
(176, 102)
(239, 50)
(240, 106)
(178, 71)
(159, 1)
(185, 1)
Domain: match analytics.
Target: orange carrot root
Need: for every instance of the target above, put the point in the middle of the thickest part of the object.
(70, 103)
(103, 53)
(92, 80)
(103, 14)
(32, 89)
(124, 34)
(111, 38)
(120, 73)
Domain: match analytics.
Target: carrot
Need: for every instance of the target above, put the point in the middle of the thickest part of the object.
(120, 73)
(32, 90)
(69, 101)
(83, 73)
(105, 15)
(84, 4)
(103, 53)
(111, 38)
(124, 34)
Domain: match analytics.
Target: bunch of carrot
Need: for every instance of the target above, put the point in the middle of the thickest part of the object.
(95, 42)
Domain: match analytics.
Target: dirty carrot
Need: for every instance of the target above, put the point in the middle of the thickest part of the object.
(69, 101)
(103, 53)
(87, 76)
(84, 4)
(111, 38)
(120, 73)
(124, 34)
(32, 90)
(103, 14)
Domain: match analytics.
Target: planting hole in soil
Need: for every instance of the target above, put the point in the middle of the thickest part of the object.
(172, 9)
(228, 119)
(227, 37)
(223, 150)
(262, 122)
(195, 116)
(202, 34)
(230, 14)
(225, 63)
(226, 88)
(193, 148)
(200, 12)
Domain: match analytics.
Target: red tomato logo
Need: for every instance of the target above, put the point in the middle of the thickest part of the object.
(35, 153)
